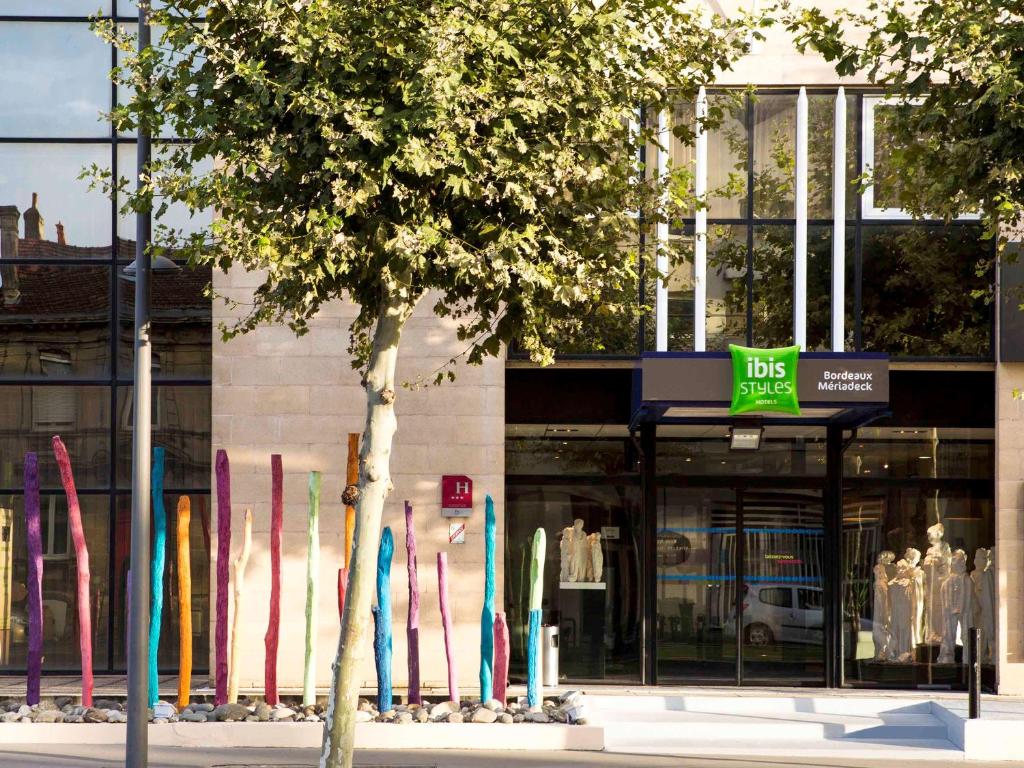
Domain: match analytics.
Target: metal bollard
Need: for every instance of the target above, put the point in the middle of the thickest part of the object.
(549, 656)
(974, 673)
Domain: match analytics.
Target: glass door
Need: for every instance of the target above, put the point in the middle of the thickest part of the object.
(696, 585)
(782, 546)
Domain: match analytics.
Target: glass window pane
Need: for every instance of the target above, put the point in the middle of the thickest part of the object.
(84, 8)
(181, 424)
(177, 216)
(920, 453)
(59, 579)
(922, 294)
(125, 93)
(31, 416)
(727, 158)
(726, 287)
(199, 557)
(704, 450)
(54, 321)
(774, 155)
(181, 329)
(55, 80)
(54, 212)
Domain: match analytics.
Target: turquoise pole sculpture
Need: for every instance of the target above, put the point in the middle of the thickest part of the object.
(382, 621)
(487, 614)
(533, 639)
(312, 578)
(157, 572)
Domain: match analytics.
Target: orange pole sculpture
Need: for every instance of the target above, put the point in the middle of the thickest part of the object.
(184, 603)
(82, 564)
(349, 496)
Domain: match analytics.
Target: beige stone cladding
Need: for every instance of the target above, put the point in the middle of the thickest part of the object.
(300, 397)
(1009, 558)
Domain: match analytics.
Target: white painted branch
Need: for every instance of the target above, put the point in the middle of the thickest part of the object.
(236, 625)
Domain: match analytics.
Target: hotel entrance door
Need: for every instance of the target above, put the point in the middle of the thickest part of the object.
(739, 581)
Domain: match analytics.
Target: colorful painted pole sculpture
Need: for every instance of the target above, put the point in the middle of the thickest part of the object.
(223, 471)
(272, 638)
(412, 627)
(350, 494)
(342, 581)
(156, 573)
(236, 623)
(67, 479)
(533, 639)
(35, 578)
(382, 621)
(312, 577)
(487, 614)
(501, 655)
(184, 602)
(446, 623)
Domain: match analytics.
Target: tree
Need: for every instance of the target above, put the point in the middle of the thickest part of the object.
(954, 138)
(478, 155)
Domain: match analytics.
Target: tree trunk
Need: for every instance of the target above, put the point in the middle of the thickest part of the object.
(374, 487)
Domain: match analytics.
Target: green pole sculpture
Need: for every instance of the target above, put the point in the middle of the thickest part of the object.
(533, 639)
(312, 576)
(487, 614)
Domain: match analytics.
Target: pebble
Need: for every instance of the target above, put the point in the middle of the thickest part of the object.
(93, 715)
(263, 711)
(403, 718)
(311, 719)
(363, 716)
(63, 701)
(455, 717)
(230, 713)
(24, 710)
(251, 719)
(484, 715)
(108, 704)
(506, 718)
(116, 716)
(203, 707)
(48, 716)
(421, 715)
(537, 717)
(10, 717)
(164, 710)
(160, 721)
(193, 717)
(494, 705)
(443, 708)
(284, 714)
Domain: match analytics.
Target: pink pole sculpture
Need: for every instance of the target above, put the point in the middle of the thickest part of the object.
(223, 471)
(342, 581)
(274, 623)
(35, 578)
(501, 655)
(412, 628)
(82, 565)
(446, 622)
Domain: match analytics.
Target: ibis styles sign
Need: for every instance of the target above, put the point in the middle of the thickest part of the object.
(764, 380)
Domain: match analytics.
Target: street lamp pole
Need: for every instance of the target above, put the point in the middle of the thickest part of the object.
(136, 745)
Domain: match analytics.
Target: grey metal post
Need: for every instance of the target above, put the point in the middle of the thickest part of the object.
(973, 673)
(136, 745)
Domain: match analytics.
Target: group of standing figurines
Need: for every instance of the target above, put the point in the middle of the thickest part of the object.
(581, 556)
(934, 602)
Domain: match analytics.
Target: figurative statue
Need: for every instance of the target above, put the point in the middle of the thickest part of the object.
(596, 570)
(936, 567)
(881, 614)
(985, 601)
(958, 607)
(904, 600)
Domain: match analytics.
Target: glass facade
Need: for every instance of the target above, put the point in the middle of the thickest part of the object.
(66, 351)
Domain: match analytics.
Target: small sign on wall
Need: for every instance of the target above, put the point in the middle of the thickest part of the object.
(456, 533)
(609, 532)
(456, 496)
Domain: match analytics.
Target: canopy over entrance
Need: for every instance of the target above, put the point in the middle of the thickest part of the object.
(833, 389)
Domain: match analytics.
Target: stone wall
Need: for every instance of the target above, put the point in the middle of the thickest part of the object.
(300, 397)
(1010, 527)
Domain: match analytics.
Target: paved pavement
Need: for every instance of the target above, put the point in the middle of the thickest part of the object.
(107, 757)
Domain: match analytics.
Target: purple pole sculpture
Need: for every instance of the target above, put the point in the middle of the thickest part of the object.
(412, 628)
(501, 654)
(35, 578)
(274, 623)
(67, 479)
(446, 622)
(223, 470)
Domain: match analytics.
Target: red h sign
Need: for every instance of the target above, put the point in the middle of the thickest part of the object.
(456, 496)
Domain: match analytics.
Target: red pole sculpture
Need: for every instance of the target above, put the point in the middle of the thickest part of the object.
(223, 471)
(82, 565)
(342, 581)
(274, 623)
(35, 578)
(446, 622)
(412, 628)
(501, 654)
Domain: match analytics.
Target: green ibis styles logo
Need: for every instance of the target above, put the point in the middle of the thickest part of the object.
(764, 380)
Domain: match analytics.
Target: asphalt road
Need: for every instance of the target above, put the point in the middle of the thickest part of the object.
(101, 756)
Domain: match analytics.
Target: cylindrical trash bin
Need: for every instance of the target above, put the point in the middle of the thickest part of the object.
(549, 656)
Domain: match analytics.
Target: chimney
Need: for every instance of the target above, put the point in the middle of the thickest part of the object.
(34, 222)
(60, 234)
(9, 216)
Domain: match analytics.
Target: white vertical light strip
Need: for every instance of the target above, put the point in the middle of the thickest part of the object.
(661, 238)
(700, 227)
(800, 246)
(839, 225)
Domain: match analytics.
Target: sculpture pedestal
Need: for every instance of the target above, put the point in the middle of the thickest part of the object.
(581, 629)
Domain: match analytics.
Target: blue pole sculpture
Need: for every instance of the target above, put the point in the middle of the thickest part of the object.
(533, 640)
(157, 571)
(382, 621)
(487, 615)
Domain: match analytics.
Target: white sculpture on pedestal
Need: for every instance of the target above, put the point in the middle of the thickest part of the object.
(881, 617)
(596, 571)
(905, 600)
(958, 608)
(565, 554)
(936, 570)
(985, 601)
(580, 552)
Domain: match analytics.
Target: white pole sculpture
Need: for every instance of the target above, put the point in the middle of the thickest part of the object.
(800, 246)
(839, 225)
(700, 227)
(661, 239)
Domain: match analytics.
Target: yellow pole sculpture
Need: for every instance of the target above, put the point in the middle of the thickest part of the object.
(184, 604)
